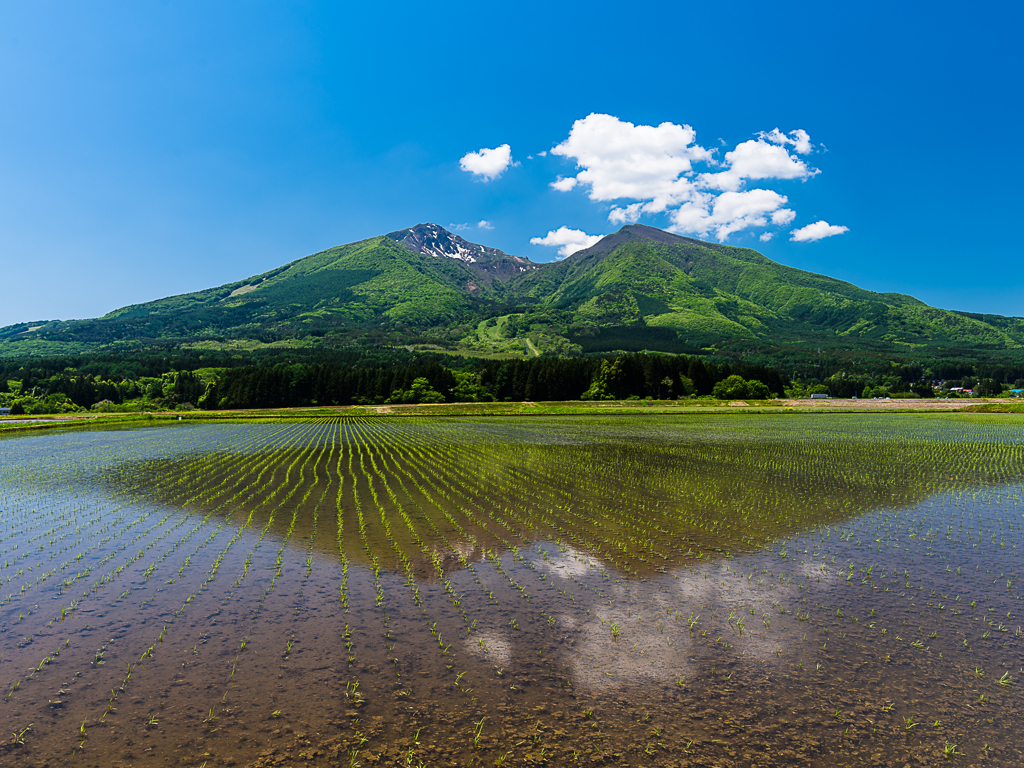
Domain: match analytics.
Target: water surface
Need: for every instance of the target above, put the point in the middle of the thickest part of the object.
(708, 590)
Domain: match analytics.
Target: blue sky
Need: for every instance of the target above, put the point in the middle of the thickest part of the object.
(154, 148)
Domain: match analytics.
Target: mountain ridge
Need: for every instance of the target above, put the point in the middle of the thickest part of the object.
(434, 240)
(637, 288)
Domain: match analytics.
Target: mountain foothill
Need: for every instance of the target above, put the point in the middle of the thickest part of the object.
(638, 289)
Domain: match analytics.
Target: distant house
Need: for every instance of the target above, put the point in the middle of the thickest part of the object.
(819, 396)
(5, 411)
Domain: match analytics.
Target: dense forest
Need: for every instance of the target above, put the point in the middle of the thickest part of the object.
(184, 381)
(274, 379)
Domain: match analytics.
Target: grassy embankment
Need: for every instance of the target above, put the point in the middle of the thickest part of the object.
(10, 424)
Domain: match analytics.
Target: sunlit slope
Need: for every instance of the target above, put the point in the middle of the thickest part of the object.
(357, 282)
(639, 288)
(370, 281)
(643, 277)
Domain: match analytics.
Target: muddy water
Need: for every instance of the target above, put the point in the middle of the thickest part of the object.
(819, 590)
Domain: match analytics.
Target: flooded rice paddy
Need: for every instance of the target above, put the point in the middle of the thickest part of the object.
(693, 590)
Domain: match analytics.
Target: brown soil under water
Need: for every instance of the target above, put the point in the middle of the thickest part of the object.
(706, 592)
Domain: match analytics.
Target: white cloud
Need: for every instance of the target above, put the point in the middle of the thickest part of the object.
(569, 240)
(800, 139)
(563, 185)
(484, 224)
(816, 231)
(782, 217)
(756, 159)
(766, 236)
(487, 164)
(628, 215)
(639, 162)
(646, 169)
(457, 227)
(542, 154)
(729, 212)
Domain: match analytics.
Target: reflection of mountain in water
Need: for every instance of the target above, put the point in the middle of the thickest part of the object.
(639, 498)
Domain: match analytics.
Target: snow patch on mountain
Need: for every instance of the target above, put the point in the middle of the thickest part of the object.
(434, 240)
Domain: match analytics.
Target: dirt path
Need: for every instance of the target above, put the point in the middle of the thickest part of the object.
(885, 404)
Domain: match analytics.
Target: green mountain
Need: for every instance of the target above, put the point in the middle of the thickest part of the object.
(645, 284)
(640, 288)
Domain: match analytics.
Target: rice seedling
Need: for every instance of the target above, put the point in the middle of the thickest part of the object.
(18, 737)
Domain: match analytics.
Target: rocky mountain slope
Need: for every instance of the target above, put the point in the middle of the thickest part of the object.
(488, 263)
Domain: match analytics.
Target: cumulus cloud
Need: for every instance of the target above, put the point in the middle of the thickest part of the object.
(816, 231)
(646, 169)
(487, 164)
(766, 236)
(484, 224)
(628, 215)
(728, 213)
(783, 217)
(568, 240)
(799, 139)
(756, 160)
(563, 185)
(620, 160)
(457, 227)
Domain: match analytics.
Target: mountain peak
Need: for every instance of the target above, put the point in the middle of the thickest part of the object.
(632, 233)
(434, 240)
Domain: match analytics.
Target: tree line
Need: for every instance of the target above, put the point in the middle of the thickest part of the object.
(409, 379)
(620, 377)
(287, 378)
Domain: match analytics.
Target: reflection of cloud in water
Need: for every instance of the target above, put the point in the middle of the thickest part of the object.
(756, 643)
(600, 661)
(655, 643)
(570, 562)
(819, 570)
(490, 646)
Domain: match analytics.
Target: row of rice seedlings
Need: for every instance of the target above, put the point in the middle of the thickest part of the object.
(460, 487)
(362, 438)
(365, 442)
(425, 491)
(149, 573)
(465, 488)
(559, 515)
(417, 481)
(170, 620)
(210, 576)
(548, 616)
(314, 456)
(397, 475)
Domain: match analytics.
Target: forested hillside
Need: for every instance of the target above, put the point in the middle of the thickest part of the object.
(635, 290)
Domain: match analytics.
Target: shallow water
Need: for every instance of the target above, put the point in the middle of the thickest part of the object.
(752, 590)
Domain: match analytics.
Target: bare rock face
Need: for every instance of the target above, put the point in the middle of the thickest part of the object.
(489, 263)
